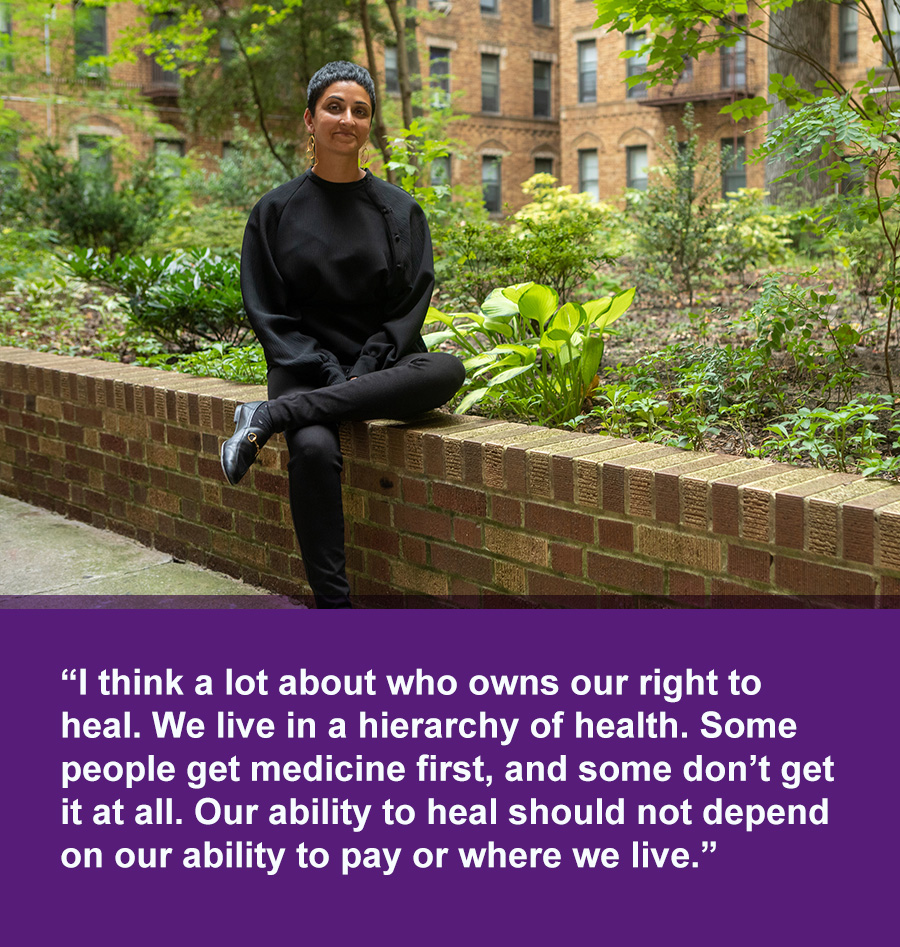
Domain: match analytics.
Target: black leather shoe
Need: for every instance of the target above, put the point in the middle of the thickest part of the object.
(253, 427)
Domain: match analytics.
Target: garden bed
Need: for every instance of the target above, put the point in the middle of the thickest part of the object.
(690, 376)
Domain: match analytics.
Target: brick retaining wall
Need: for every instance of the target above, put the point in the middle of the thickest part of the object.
(472, 512)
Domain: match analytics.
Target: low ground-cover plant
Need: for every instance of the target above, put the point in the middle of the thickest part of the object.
(182, 298)
(245, 364)
(54, 313)
(528, 356)
(25, 254)
(845, 438)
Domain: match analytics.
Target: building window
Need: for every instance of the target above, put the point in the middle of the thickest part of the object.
(90, 37)
(636, 167)
(391, 70)
(636, 65)
(489, 6)
(734, 165)
(173, 147)
(542, 104)
(733, 60)
(95, 155)
(6, 60)
(587, 70)
(588, 173)
(848, 23)
(891, 28)
(490, 182)
(543, 166)
(490, 82)
(227, 48)
(439, 76)
(440, 170)
(166, 73)
(540, 12)
(854, 181)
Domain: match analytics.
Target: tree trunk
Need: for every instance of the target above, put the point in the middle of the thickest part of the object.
(415, 68)
(403, 61)
(801, 46)
(379, 129)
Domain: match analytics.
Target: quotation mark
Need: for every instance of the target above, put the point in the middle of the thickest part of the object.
(708, 847)
(76, 674)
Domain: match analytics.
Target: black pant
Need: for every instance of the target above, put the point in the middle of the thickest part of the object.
(310, 417)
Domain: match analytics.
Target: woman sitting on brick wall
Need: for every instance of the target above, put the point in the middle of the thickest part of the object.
(337, 276)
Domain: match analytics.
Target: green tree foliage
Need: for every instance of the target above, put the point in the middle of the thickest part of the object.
(87, 207)
(246, 60)
(849, 134)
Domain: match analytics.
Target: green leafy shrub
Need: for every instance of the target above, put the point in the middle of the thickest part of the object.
(87, 209)
(558, 240)
(200, 227)
(674, 222)
(472, 258)
(867, 255)
(182, 298)
(798, 320)
(749, 233)
(563, 236)
(239, 178)
(528, 356)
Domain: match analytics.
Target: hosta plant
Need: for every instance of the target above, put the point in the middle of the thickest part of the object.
(526, 354)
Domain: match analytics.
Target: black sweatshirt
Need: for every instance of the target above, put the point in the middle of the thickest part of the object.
(337, 278)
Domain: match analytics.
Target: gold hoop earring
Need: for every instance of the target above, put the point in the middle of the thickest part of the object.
(365, 154)
(311, 149)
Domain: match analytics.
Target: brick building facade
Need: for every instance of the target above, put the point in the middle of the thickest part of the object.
(541, 89)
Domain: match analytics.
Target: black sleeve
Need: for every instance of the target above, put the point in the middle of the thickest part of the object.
(401, 332)
(265, 300)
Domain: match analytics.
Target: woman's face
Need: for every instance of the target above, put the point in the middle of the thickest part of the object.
(342, 119)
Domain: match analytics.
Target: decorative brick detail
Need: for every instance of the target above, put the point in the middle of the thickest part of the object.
(858, 521)
(692, 551)
(726, 497)
(628, 575)
(824, 511)
(519, 546)
(459, 511)
(889, 536)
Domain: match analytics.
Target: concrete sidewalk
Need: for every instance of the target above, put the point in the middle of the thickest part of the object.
(48, 561)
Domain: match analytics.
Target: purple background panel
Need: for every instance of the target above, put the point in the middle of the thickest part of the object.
(833, 672)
